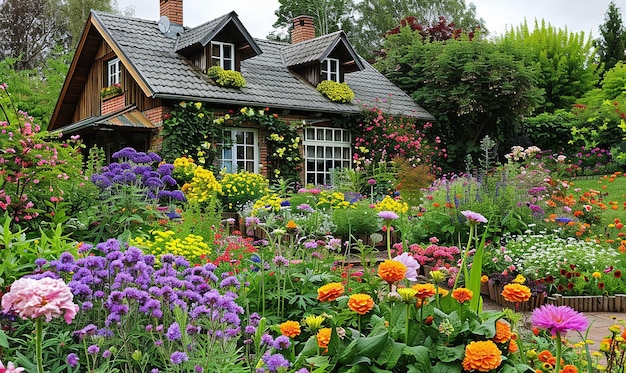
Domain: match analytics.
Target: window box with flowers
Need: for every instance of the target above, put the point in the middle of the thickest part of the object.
(336, 92)
(226, 78)
(111, 91)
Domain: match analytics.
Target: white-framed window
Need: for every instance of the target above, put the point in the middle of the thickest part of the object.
(241, 152)
(223, 55)
(330, 69)
(325, 149)
(114, 73)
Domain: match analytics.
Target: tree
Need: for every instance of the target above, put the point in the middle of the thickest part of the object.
(613, 42)
(30, 30)
(472, 88)
(563, 61)
(77, 11)
(376, 17)
(329, 15)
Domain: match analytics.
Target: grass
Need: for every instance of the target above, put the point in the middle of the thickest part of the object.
(613, 195)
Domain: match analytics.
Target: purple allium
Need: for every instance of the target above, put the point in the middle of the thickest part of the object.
(72, 360)
(282, 342)
(93, 349)
(255, 318)
(310, 245)
(230, 281)
(177, 357)
(173, 332)
(158, 342)
(558, 319)
(371, 182)
(280, 261)
(87, 331)
(40, 262)
(473, 217)
(388, 215)
(198, 368)
(412, 265)
(106, 354)
(250, 329)
(305, 207)
(154, 370)
(267, 339)
(275, 361)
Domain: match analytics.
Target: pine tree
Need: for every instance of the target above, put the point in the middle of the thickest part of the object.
(613, 42)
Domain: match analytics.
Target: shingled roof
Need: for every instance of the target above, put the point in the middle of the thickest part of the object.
(269, 82)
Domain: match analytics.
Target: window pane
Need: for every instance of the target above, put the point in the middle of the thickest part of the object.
(310, 134)
(228, 65)
(320, 135)
(227, 153)
(249, 138)
(240, 152)
(239, 137)
(249, 152)
(329, 152)
(228, 52)
(320, 152)
(215, 50)
(329, 135)
(310, 151)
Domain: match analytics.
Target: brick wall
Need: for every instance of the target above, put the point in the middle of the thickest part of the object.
(172, 9)
(112, 104)
(155, 115)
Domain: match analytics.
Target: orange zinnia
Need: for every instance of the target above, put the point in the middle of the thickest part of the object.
(482, 356)
(391, 271)
(516, 293)
(290, 328)
(330, 292)
(462, 295)
(424, 290)
(361, 303)
(503, 332)
(544, 356)
(323, 337)
(291, 225)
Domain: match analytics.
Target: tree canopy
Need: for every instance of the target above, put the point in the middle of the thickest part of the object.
(612, 44)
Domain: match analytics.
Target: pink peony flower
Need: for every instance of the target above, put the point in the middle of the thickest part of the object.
(10, 368)
(47, 297)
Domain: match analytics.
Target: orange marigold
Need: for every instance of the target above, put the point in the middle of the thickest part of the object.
(482, 356)
(462, 295)
(361, 303)
(515, 292)
(569, 368)
(424, 290)
(323, 337)
(544, 356)
(291, 225)
(290, 328)
(330, 291)
(391, 271)
(442, 292)
(503, 332)
(513, 347)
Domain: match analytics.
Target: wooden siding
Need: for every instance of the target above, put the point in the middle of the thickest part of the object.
(89, 103)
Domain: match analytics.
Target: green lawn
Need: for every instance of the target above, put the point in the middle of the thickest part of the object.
(613, 191)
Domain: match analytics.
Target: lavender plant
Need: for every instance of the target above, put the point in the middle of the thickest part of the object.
(137, 315)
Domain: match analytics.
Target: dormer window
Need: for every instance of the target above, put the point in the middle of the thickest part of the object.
(223, 55)
(114, 73)
(330, 69)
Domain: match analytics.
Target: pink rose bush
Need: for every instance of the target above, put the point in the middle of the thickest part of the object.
(47, 297)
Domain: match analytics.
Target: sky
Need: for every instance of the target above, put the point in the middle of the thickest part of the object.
(499, 15)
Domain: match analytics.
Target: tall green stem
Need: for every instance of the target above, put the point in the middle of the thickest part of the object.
(389, 241)
(557, 366)
(464, 259)
(39, 344)
(406, 327)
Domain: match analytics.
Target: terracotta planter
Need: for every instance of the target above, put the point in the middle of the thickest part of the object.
(590, 303)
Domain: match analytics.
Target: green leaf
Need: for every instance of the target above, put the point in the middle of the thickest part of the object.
(390, 354)
(422, 360)
(3, 340)
(450, 354)
(442, 367)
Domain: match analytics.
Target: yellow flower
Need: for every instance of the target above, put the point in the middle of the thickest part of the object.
(314, 322)
(198, 105)
(330, 292)
(596, 275)
(407, 294)
(519, 279)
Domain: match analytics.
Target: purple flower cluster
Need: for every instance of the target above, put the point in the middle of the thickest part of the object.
(118, 287)
(135, 169)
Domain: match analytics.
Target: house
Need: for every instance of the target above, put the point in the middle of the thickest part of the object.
(156, 65)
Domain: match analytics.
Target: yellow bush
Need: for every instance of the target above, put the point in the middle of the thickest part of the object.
(337, 92)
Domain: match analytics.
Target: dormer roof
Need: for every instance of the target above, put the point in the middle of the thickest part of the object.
(318, 49)
(202, 35)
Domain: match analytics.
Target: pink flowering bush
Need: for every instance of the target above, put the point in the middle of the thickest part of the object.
(47, 297)
(435, 255)
(382, 138)
(39, 177)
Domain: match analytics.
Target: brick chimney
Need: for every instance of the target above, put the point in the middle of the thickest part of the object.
(172, 9)
(303, 29)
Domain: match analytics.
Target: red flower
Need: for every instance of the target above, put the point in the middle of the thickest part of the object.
(617, 273)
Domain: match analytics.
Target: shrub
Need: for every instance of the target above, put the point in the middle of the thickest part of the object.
(336, 92)
(359, 219)
(241, 188)
(226, 78)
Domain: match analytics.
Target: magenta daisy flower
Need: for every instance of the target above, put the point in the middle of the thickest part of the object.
(388, 215)
(558, 319)
(473, 217)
